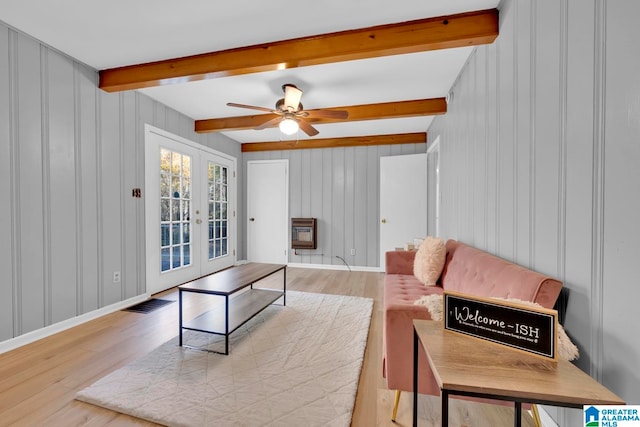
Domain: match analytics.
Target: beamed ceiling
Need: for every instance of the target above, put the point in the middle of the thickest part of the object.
(392, 77)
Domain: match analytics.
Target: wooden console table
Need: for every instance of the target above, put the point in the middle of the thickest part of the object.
(468, 366)
(238, 309)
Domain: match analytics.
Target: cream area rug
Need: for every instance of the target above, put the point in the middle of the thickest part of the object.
(297, 365)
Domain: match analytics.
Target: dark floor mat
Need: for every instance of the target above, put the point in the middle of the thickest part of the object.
(148, 306)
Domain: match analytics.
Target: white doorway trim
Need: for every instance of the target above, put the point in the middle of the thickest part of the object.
(436, 196)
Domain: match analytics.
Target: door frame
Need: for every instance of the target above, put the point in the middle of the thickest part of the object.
(434, 148)
(150, 212)
(285, 237)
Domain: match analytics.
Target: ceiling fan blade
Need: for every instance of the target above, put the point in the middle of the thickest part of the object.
(328, 114)
(269, 123)
(251, 107)
(307, 128)
(292, 96)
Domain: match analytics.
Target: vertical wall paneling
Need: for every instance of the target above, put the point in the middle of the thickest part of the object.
(111, 176)
(46, 184)
(295, 185)
(69, 156)
(32, 265)
(337, 202)
(307, 178)
(506, 143)
(361, 206)
(479, 147)
(533, 51)
(560, 82)
(578, 171)
(522, 87)
(491, 133)
(547, 132)
(77, 162)
(562, 136)
(7, 182)
(315, 183)
(514, 135)
(372, 226)
(349, 204)
(61, 185)
(87, 176)
(621, 238)
(130, 205)
(597, 243)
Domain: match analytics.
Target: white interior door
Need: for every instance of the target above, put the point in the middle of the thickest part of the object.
(189, 210)
(268, 211)
(403, 201)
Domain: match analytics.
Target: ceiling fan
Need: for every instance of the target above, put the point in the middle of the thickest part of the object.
(291, 113)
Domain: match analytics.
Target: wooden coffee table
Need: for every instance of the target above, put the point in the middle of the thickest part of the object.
(468, 366)
(239, 307)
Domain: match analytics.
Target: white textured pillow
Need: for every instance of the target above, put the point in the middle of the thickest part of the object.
(429, 260)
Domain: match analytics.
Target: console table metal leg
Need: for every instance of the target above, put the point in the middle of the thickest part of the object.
(415, 378)
(284, 287)
(445, 407)
(517, 414)
(180, 316)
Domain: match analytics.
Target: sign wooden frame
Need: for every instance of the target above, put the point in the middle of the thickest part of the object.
(525, 328)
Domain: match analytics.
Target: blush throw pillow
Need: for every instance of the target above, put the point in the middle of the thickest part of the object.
(429, 260)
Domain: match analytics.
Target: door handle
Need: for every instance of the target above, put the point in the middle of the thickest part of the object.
(252, 219)
(384, 220)
(198, 221)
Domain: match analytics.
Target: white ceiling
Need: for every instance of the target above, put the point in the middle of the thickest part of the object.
(123, 32)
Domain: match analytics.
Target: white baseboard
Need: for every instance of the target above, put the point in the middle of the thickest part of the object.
(334, 267)
(29, 337)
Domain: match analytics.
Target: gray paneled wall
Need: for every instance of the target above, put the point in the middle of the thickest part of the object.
(69, 156)
(340, 187)
(539, 164)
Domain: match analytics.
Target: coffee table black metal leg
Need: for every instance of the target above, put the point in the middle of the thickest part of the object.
(517, 414)
(445, 407)
(180, 316)
(284, 287)
(226, 324)
(415, 378)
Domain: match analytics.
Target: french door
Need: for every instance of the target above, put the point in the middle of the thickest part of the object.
(189, 209)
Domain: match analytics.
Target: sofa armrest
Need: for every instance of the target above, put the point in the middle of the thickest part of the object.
(398, 345)
(399, 262)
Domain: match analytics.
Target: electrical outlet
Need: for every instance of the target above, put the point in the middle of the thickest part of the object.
(353, 251)
(116, 277)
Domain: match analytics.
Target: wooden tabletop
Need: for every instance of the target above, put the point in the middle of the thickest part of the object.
(466, 364)
(231, 280)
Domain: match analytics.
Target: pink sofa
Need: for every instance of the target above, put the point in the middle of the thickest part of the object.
(467, 270)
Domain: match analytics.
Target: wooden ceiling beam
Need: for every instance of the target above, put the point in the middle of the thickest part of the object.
(386, 110)
(355, 141)
(465, 29)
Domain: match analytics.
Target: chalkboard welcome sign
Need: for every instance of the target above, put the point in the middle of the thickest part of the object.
(519, 326)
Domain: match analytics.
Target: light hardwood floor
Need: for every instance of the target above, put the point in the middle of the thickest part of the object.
(38, 382)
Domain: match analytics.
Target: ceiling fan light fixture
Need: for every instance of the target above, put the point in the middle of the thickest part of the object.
(288, 126)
